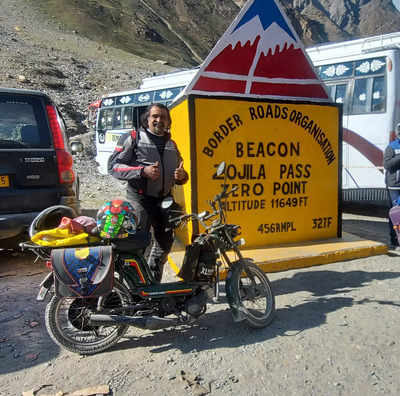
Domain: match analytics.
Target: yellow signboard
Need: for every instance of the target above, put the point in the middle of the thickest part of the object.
(284, 158)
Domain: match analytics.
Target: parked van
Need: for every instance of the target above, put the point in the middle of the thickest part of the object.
(36, 164)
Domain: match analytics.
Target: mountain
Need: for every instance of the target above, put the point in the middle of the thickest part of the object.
(182, 32)
(78, 50)
(337, 20)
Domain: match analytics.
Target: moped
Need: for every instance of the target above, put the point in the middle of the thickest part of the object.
(104, 289)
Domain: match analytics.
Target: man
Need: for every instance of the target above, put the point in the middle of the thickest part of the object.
(391, 163)
(150, 162)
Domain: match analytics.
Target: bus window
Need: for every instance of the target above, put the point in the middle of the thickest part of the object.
(141, 111)
(128, 117)
(378, 94)
(331, 91)
(338, 94)
(360, 96)
(105, 119)
(117, 122)
(341, 96)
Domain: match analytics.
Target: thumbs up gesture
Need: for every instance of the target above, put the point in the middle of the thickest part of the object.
(180, 173)
(152, 171)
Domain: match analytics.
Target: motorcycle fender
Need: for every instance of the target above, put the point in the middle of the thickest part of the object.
(231, 293)
(45, 286)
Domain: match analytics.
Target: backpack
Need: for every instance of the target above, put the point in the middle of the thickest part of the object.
(135, 138)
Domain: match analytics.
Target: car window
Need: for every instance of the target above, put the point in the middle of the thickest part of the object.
(23, 122)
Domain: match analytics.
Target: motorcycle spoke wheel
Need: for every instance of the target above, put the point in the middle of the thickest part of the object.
(256, 299)
(67, 322)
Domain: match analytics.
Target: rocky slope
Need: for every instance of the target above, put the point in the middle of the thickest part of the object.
(182, 32)
(39, 53)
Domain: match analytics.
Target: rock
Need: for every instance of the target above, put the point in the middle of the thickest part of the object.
(93, 390)
(54, 84)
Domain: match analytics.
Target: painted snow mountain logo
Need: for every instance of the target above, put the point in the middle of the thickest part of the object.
(259, 56)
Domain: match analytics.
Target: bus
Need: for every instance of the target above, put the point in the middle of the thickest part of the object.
(363, 75)
(119, 112)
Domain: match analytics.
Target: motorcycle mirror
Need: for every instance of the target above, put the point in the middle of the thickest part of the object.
(167, 202)
(221, 168)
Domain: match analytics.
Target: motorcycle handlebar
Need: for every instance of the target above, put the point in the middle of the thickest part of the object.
(225, 193)
(179, 219)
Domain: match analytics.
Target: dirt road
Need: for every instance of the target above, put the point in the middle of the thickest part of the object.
(335, 333)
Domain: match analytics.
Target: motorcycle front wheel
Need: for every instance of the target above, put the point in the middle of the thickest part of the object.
(67, 321)
(253, 294)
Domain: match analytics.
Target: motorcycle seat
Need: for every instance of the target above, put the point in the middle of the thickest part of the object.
(138, 241)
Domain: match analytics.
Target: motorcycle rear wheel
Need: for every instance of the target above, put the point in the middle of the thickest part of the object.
(254, 296)
(67, 321)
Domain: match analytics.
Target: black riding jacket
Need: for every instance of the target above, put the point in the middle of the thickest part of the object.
(391, 163)
(133, 152)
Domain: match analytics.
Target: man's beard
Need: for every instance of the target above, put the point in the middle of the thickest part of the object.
(160, 129)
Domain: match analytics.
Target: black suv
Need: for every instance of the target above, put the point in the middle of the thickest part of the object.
(36, 165)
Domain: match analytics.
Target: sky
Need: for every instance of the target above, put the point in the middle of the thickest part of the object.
(396, 4)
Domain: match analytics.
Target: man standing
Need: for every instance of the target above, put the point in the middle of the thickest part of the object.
(149, 160)
(391, 163)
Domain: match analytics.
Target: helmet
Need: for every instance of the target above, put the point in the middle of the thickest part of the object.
(50, 218)
(116, 219)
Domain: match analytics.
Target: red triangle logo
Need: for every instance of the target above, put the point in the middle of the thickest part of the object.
(259, 56)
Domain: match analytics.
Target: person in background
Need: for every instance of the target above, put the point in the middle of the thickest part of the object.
(149, 160)
(391, 163)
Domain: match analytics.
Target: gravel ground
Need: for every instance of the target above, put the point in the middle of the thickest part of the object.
(335, 333)
(336, 327)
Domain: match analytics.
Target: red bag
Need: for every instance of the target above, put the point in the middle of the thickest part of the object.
(88, 223)
(78, 224)
(74, 226)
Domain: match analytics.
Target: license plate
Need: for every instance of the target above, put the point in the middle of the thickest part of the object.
(45, 286)
(4, 181)
(42, 294)
(112, 137)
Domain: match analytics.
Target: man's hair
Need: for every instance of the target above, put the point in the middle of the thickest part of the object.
(397, 129)
(143, 119)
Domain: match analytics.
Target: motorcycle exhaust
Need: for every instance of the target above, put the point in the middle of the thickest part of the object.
(142, 322)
